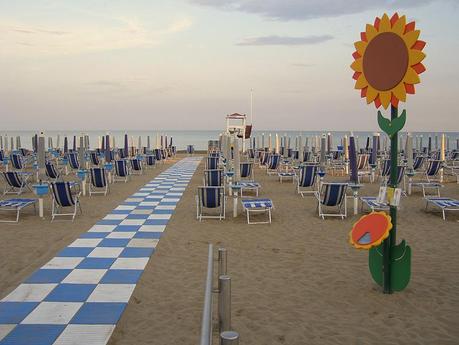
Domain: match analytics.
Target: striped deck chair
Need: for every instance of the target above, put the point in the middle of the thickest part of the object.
(73, 161)
(307, 156)
(264, 158)
(122, 154)
(17, 161)
(250, 154)
(332, 195)
(136, 166)
(98, 181)
(16, 182)
(385, 170)
(431, 178)
(418, 163)
(210, 198)
(273, 164)
(151, 160)
(121, 171)
(443, 203)
(190, 149)
(249, 186)
(51, 171)
(94, 158)
(158, 155)
(15, 205)
(2, 156)
(212, 163)
(213, 177)
(64, 196)
(246, 170)
(254, 206)
(362, 166)
(372, 203)
(306, 181)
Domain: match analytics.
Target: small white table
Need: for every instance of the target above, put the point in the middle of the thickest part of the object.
(355, 194)
(235, 188)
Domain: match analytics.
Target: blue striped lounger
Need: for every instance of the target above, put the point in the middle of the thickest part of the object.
(445, 204)
(257, 206)
(371, 202)
(286, 174)
(249, 185)
(15, 205)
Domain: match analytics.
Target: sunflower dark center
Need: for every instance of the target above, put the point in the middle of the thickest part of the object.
(385, 61)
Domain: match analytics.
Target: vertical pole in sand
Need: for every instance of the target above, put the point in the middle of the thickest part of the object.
(224, 303)
(229, 338)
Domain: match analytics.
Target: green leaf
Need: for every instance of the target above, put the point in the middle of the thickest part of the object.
(394, 126)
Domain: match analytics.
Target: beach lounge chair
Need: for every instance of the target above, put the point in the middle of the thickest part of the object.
(306, 181)
(431, 180)
(213, 177)
(256, 206)
(122, 154)
(307, 156)
(94, 158)
(418, 163)
(443, 203)
(212, 163)
(2, 156)
(150, 160)
(98, 181)
(273, 164)
(16, 182)
(15, 205)
(210, 198)
(64, 196)
(373, 204)
(73, 161)
(332, 195)
(51, 171)
(158, 155)
(136, 166)
(362, 167)
(246, 170)
(264, 158)
(249, 186)
(121, 171)
(17, 161)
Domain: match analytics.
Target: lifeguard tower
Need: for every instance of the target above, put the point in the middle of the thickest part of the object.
(236, 124)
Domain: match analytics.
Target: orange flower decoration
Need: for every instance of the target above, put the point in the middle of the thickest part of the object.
(388, 61)
(370, 230)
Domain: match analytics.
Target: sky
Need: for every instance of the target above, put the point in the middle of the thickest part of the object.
(185, 64)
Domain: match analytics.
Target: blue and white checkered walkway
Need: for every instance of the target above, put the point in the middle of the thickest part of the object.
(79, 296)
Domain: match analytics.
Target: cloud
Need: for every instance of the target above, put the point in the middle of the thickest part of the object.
(284, 40)
(25, 39)
(307, 9)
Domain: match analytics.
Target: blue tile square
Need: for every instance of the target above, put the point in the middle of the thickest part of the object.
(151, 208)
(96, 263)
(48, 276)
(109, 222)
(120, 211)
(168, 203)
(114, 242)
(137, 252)
(156, 222)
(70, 293)
(33, 335)
(155, 235)
(121, 277)
(94, 235)
(128, 228)
(164, 211)
(77, 252)
(130, 203)
(99, 314)
(137, 216)
(15, 312)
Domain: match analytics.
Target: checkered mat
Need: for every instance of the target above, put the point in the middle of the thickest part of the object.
(79, 296)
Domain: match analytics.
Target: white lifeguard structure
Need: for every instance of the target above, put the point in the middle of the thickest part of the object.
(236, 124)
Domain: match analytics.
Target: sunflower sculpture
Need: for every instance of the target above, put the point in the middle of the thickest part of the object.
(388, 61)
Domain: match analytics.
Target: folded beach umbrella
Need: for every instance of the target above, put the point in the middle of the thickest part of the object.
(58, 142)
(18, 142)
(140, 143)
(420, 143)
(1, 142)
(353, 159)
(126, 145)
(263, 140)
(35, 143)
(81, 156)
(6, 142)
(374, 150)
(74, 143)
(409, 152)
(269, 144)
(148, 142)
(322, 150)
(329, 142)
(102, 147)
(367, 146)
(277, 143)
(300, 148)
(436, 142)
(41, 154)
(429, 146)
(346, 147)
(237, 161)
(66, 145)
(108, 157)
(170, 142)
(443, 148)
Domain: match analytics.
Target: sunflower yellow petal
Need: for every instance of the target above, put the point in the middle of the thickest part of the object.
(385, 97)
(411, 37)
(416, 56)
(371, 94)
(361, 82)
(371, 32)
(360, 46)
(385, 26)
(411, 77)
(357, 65)
(399, 26)
(400, 92)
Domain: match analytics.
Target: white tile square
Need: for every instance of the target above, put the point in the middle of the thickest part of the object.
(133, 199)
(121, 234)
(130, 263)
(106, 252)
(63, 263)
(86, 242)
(85, 276)
(149, 211)
(85, 334)
(171, 200)
(133, 222)
(117, 293)
(166, 207)
(53, 313)
(139, 194)
(125, 207)
(152, 228)
(5, 329)
(143, 243)
(29, 293)
(102, 228)
(159, 216)
(115, 216)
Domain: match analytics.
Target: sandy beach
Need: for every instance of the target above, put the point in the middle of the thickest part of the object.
(296, 281)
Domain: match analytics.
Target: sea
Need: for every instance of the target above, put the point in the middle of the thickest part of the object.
(200, 139)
